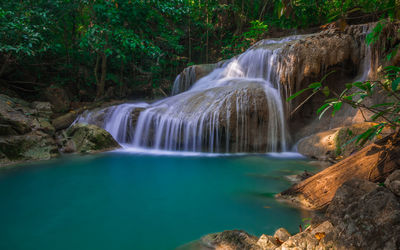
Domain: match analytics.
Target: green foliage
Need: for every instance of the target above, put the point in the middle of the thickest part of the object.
(356, 94)
(145, 42)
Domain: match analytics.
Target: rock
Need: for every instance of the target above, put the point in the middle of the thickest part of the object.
(267, 242)
(64, 121)
(374, 162)
(366, 215)
(58, 97)
(32, 146)
(393, 182)
(14, 116)
(282, 234)
(299, 177)
(190, 75)
(90, 138)
(232, 239)
(317, 237)
(333, 144)
(43, 109)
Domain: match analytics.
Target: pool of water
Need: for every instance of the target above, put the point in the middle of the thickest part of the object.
(130, 200)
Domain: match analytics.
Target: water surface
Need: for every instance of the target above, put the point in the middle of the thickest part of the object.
(123, 200)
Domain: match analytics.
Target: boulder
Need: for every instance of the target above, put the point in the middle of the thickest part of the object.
(90, 138)
(58, 97)
(64, 121)
(366, 215)
(282, 234)
(374, 163)
(15, 116)
(190, 75)
(393, 182)
(335, 144)
(267, 242)
(230, 240)
(32, 146)
(43, 109)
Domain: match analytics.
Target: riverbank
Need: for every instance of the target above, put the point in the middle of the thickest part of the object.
(361, 215)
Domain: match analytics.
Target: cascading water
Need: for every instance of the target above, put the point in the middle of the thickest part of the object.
(118, 120)
(238, 107)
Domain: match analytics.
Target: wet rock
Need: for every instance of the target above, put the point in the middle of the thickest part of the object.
(232, 239)
(190, 75)
(393, 182)
(58, 97)
(89, 138)
(366, 215)
(282, 234)
(299, 177)
(32, 146)
(64, 121)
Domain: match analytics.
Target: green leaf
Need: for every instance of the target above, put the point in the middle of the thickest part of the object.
(295, 95)
(326, 91)
(395, 84)
(315, 85)
(322, 113)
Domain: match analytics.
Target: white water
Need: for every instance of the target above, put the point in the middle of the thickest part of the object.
(236, 108)
(117, 120)
(214, 115)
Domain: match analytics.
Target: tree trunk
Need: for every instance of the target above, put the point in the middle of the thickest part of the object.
(374, 163)
(101, 84)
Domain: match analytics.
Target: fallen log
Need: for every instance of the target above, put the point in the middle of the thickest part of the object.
(374, 163)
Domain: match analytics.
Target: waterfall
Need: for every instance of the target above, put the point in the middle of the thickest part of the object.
(234, 106)
(118, 120)
(238, 107)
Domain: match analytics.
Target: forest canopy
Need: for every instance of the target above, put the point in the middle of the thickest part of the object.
(92, 46)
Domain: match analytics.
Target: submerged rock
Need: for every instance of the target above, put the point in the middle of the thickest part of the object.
(88, 138)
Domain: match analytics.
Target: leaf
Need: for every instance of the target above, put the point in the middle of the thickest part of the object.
(326, 91)
(395, 84)
(295, 95)
(323, 107)
(326, 109)
(315, 85)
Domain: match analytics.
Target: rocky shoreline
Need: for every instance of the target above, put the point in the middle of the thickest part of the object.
(34, 132)
(362, 215)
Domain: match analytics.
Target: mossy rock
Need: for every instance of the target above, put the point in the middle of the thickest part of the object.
(88, 138)
(33, 146)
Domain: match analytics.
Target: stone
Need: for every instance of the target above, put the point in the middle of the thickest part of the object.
(43, 109)
(267, 242)
(366, 215)
(90, 138)
(230, 240)
(14, 116)
(334, 144)
(58, 97)
(32, 146)
(393, 182)
(282, 234)
(64, 121)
